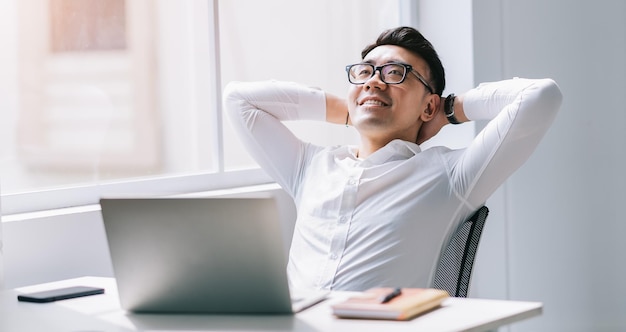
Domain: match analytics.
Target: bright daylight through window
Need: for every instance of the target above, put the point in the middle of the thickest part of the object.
(124, 96)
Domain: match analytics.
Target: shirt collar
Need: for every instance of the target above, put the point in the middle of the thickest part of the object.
(395, 150)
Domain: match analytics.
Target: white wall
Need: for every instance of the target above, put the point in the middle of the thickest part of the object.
(50, 246)
(453, 43)
(1, 253)
(555, 234)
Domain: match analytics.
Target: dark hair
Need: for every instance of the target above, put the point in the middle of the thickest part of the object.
(414, 41)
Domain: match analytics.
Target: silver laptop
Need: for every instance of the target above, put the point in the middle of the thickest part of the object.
(200, 255)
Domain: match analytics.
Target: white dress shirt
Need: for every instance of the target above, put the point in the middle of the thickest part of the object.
(383, 220)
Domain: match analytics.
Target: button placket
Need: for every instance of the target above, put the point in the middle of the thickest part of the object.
(340, 235)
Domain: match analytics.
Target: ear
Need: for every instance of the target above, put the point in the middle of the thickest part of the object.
(432, 107)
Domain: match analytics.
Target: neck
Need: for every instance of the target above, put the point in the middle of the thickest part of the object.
(372, 141)
(368, 147)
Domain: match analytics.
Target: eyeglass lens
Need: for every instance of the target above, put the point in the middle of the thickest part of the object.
(390, 73)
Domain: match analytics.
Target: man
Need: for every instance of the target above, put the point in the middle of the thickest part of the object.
(378, 213)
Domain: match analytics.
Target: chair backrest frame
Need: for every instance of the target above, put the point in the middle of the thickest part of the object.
(454, 269)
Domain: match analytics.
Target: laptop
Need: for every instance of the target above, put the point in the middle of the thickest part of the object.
(200, 255)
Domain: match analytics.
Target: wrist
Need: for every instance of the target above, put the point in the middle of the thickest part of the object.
(448, 109)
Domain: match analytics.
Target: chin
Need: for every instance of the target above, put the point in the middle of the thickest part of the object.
(372, 125)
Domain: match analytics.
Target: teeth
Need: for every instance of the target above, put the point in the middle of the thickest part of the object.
(374, 102)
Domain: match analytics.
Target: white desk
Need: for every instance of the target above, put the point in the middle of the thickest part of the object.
(103, 313)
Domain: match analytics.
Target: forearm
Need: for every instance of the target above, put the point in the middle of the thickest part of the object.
(336, 110)
(284, 101)
(256, 110)
(521, 112)
(487, 100)
(520, 97)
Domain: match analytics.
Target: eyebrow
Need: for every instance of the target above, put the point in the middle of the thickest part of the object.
(371, 62)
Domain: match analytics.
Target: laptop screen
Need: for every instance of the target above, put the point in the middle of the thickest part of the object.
(197, 255)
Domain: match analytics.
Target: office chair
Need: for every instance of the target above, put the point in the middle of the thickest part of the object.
(454, 269)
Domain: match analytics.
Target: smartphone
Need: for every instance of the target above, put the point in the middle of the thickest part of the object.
(60, 294)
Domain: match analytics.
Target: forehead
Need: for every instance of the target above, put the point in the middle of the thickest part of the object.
(392, 53)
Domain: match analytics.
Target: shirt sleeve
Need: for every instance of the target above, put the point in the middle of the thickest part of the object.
(257, 110)
(520, 113)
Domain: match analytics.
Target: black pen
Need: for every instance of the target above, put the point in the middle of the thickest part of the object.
(396, 292)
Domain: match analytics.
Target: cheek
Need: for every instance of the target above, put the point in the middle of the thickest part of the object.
(413, 109)
(353, 94)
(417, 103)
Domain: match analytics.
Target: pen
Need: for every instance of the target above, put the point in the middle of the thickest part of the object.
(396, 292)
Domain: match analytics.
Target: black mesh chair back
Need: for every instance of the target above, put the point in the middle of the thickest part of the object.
(455, 265)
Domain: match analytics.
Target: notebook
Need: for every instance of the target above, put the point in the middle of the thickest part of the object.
(200, 255)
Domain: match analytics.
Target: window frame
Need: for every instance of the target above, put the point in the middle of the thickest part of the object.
(217, 179)
(90, 194)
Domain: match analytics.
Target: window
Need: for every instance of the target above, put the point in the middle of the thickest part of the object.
(124, 96)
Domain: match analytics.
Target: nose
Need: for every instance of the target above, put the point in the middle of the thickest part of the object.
(375, 81)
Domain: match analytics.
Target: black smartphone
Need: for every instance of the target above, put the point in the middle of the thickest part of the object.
(60, 294)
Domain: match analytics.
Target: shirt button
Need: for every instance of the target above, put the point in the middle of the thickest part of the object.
(352, 182)
(333, 256)
(343, 220)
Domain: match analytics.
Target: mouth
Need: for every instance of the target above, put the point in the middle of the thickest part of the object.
(372, 101)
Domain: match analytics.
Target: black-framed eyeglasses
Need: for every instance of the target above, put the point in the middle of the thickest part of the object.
(390, 73)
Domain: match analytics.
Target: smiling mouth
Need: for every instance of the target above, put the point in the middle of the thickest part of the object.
(372, 102)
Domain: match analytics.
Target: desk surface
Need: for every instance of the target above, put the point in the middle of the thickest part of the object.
(103, 313)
